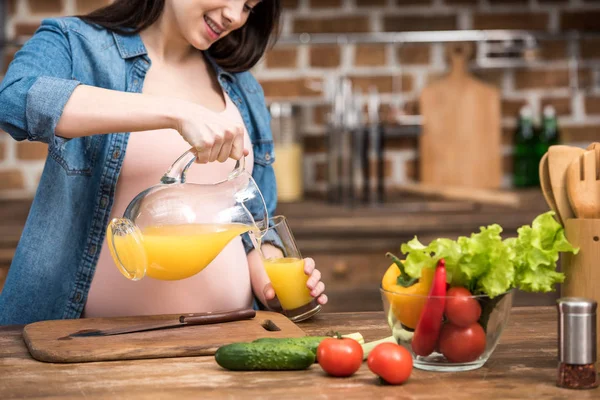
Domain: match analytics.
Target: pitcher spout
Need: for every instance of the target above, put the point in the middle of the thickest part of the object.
(125, 242)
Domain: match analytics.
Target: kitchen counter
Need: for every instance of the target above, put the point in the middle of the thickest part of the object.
(318, 225)
(401, 216)
(523, 366)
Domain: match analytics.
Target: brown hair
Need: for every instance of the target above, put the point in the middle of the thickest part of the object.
(237, 52)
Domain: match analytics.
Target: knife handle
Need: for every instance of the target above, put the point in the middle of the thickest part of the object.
(217, 318)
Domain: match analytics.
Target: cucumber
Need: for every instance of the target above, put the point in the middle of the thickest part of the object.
(264, 357)
(310, 342)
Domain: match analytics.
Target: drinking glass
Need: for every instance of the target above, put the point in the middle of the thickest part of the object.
(285, 267)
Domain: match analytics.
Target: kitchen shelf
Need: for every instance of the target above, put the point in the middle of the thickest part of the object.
(496, 35)
(528, 38)
(518, 46)
(495, 48)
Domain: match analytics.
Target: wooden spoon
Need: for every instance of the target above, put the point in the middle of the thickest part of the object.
(593, 146)
(547, 187)
(559, 158)
(583, 184)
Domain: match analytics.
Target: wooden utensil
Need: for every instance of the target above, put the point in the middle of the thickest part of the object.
(547, 186)
(581, 270)
(51, 341)
(460, 144)
(559, 158)
(583, 184)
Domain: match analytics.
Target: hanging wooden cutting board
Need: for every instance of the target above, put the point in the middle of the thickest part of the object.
(49, 341)
(461, 140)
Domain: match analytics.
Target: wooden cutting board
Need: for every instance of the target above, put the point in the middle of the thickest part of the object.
(49, 341)
(461, 139)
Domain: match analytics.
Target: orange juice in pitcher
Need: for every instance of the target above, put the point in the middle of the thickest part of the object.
(172, 252)
(175, 229)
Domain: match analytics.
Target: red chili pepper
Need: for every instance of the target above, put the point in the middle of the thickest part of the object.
(428, 329)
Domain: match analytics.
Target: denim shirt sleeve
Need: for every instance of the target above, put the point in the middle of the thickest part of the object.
(37, 85)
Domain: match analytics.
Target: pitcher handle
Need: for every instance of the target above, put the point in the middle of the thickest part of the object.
(178, 170)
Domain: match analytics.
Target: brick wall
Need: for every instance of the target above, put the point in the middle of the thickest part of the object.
(296, 73)
(21, 163)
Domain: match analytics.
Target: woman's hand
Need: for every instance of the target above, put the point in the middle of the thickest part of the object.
(314, 284)
(212, 137)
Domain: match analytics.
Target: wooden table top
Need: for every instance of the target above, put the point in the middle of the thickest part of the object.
(523, 366)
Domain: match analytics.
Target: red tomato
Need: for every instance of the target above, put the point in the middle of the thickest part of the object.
(339, 357)
(460, 344)
(391, 362)
(462, 309)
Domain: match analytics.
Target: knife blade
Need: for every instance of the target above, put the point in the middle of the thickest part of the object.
(183, 320)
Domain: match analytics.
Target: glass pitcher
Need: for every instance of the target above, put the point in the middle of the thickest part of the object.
(174, 229)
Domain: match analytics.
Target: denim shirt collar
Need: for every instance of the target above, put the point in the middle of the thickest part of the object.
(132, 45)
(129, 45)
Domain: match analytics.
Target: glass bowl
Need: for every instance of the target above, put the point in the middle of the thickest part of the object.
(455, 348)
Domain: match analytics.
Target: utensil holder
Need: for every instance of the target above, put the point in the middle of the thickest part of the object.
(582, 270)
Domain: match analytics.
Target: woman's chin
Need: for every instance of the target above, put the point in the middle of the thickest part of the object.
(200, 43)
(201, 46)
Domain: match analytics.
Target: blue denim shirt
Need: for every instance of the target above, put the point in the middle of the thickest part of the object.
(57, 254)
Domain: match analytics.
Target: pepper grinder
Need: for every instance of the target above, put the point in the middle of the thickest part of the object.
(577, 343)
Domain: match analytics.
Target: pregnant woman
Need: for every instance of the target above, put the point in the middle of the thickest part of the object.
(118, 95)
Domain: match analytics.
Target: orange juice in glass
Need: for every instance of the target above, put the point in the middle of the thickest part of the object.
(285, 268)
(285, 273)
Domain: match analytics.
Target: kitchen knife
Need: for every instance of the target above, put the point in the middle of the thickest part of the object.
(183, 320)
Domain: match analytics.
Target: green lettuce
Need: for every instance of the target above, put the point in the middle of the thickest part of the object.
(537, 249)
(485, 263)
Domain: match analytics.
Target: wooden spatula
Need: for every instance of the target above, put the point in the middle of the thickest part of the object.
(583, 184)
(559, 159)
(547, 187)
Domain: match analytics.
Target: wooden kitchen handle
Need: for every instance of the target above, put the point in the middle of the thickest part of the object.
(217, 318)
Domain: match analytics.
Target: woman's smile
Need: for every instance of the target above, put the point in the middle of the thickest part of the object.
(214, 30)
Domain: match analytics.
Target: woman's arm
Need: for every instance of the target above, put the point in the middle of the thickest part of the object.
(39, 100)
(39, 97)
(91, 110)
(37, 85)
(259, 279)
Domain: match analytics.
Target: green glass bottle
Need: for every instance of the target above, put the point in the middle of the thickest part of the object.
(549, 133)
(525, 167)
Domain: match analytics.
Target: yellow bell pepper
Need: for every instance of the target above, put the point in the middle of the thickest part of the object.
(407, 302)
